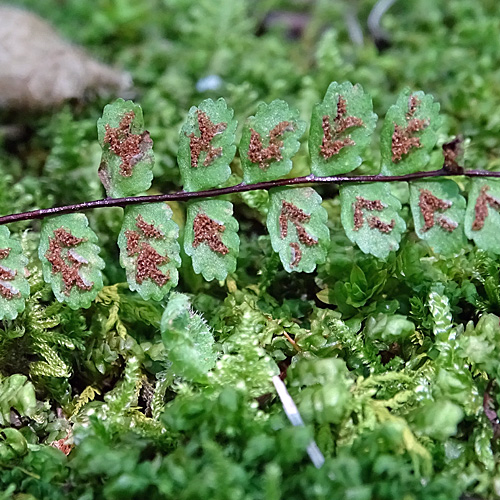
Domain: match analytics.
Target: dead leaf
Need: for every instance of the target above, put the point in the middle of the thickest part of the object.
(38, 69)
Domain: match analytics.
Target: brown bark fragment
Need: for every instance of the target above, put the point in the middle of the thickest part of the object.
(128, 146)
(481, 209)
(429, 204)
(264, 156)
(403, 138)
(363, 203)
(209, 231)
(197, 145)
(332, 143)
(68, 264)
(296, 254)
(148, 259)
(289, 212)
(452, 152)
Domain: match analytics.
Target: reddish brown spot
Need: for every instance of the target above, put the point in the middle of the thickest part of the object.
(133, 240)
(7, 291)
(368, 205)
(403, 138)
(332, 142)
(7, 274)
(383, 227)
(264, 156)
(289, 212)
(63, 445)
(147, 265)
(373, 222)
(149, 230)
(130, 147)
(481, 209)
(148, 259)
(296, 253)
(429, 204)
(197, 145)
(447, 224)
(66, 261)
(209, 231)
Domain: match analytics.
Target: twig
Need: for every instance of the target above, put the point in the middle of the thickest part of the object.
(353, 27)
(238, 188)
(294, 344)
(374, 18)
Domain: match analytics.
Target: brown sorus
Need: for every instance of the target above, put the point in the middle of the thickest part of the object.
(7, 275)
(209, 231)
(148, 259)
(128, 146)
(428, 204)
(70, 264)
(383, 227)
(197, 145)
(289, 212)
(264, 156)
(373, 222)
(332, 143)
(481, 209)
(403, 138)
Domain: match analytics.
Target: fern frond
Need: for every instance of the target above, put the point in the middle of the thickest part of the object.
(87, 395)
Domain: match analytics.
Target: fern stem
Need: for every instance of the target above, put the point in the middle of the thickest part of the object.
(238, 188)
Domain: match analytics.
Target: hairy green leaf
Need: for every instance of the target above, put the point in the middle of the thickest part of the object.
(211, 238)
(149, 250)
(370, 216)
(296, 222)
(246, 328)
(14, 287)
(269, 141)
(188, 339)
(482, 217)
(127, 150)
(341, 128)
(206, 145)
(438, 212)
(409, 133)
(70, 259)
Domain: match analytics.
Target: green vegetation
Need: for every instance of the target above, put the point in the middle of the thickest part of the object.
(390, 355)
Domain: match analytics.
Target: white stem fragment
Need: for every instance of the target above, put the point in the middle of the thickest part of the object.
(293, 415)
